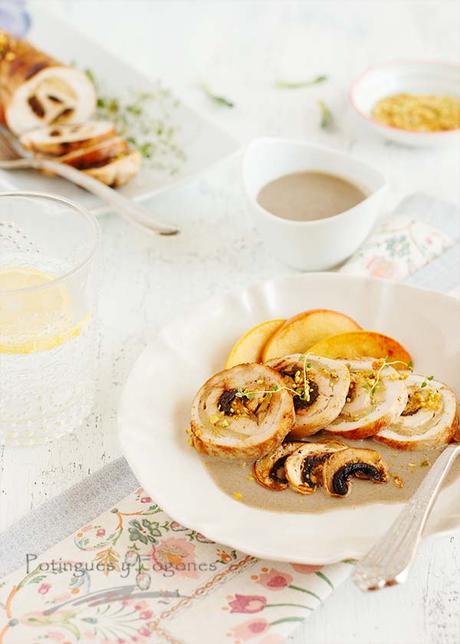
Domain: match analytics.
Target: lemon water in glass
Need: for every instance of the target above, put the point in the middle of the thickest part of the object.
(48, 327)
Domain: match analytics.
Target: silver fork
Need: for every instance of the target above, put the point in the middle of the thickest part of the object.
(389, 561)
(14, 157)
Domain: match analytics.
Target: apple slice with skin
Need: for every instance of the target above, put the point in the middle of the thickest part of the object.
(363, 344)
(301, 332)
(249, 347)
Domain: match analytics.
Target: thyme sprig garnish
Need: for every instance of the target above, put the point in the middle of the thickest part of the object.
(326, 115)
(386, 363)
(217, 98)
(425, 382)
(146, 119)
(244, 393)
(282, 84)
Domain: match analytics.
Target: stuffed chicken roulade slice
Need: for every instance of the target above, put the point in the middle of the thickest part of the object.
(319, 387)
(428, 420)
(241, 413)
(57, 140)
(36, 90)
(118, 171)
(376, 397)
(97, 155)
(304, 466)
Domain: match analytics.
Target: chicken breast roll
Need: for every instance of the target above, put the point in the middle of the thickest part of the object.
(376, 397)
(36, 90)
(428, 420)
(57, 140)
(319, 387)
(241, 413)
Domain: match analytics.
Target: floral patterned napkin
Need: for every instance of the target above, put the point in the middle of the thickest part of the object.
(135, 575)
(421, 229)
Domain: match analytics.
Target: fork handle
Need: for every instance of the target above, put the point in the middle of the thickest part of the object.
(129, 210)
(388, 562)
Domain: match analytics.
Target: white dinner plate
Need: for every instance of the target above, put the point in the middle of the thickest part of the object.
(202, 142)
(155, 408)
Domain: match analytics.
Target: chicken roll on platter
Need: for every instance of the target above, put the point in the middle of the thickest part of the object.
(37, 90)
(57, 140)
(49, 106)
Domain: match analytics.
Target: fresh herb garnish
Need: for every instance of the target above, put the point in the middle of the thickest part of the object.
(281, 84)
(386, 363)
(216, 98)
(326, 115)
(146, 119)
(303, 395)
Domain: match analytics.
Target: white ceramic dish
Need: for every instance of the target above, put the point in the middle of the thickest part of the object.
(203, 142)
(413, 77)
(156, 401)
(319, 244)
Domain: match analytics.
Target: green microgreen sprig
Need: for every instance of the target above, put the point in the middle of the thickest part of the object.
(244, 393)
(386, 363)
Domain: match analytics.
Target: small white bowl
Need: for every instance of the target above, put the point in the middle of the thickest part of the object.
(322, 243)
(406, 77)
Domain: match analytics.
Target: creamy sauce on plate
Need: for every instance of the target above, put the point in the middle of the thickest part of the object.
(306, 196)
(236, 479)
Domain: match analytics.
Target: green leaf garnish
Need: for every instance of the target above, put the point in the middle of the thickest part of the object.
(281, 84)
(326, 115)
(216, 98)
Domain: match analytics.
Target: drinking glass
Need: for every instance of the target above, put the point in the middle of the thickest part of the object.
(48, 326)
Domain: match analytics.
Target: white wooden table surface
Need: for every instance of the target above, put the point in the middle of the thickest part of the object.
(240, 48)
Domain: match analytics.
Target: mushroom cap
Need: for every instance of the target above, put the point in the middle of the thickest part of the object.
(366, 412)
(57, 140)
(429, 419)
(304, 467)
(260, 422)
(269, 470)
(352, 462)
(331, 380)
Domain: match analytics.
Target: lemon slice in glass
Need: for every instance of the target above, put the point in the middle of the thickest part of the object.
(33, 319)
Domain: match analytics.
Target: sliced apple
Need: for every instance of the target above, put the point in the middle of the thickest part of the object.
(250, 346)
(363, 344)
(300, 333)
